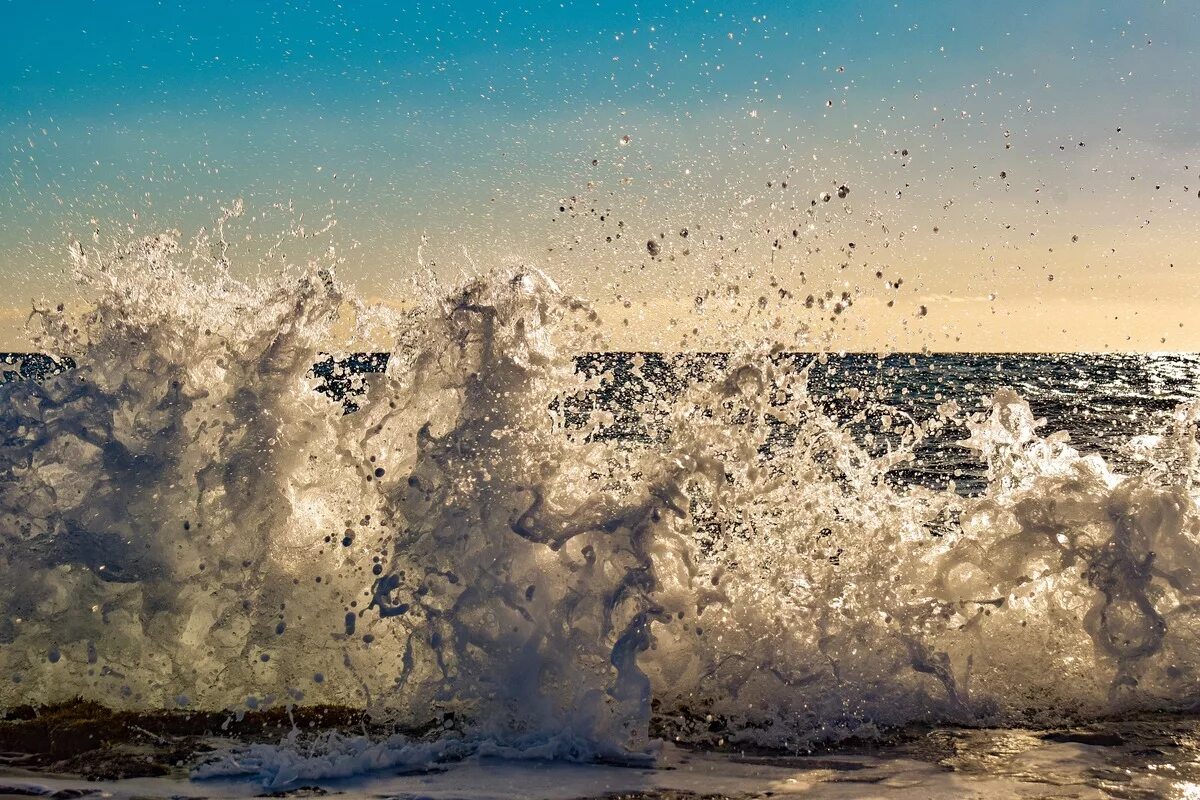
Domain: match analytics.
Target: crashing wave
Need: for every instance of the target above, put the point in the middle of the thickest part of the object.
(185, 523)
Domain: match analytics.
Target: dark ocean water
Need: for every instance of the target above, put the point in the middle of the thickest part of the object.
(1102, 400)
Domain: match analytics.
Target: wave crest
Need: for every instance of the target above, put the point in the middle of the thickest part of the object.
(184, 522)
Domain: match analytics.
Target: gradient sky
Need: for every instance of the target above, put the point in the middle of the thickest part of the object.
(1029, 171)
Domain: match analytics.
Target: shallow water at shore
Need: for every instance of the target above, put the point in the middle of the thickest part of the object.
(1148, 757)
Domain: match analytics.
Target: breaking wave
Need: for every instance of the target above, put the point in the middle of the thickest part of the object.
(184, 523)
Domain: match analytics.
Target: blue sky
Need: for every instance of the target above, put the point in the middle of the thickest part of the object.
(471, 123)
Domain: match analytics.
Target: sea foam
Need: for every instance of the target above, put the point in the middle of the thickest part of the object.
(185, 523)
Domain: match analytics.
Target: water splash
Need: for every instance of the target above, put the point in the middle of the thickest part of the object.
(184, 522)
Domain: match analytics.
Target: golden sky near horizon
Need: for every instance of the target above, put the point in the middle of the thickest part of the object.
(950, 324)
(1024, 177)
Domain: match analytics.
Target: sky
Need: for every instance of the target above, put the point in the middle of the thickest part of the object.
(943, 175)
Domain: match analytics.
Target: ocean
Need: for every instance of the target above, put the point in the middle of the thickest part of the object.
(495, 561)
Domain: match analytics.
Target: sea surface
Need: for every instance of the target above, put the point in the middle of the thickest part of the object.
(496, 562)
(1102, 401)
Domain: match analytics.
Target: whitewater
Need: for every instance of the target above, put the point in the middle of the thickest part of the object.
(187, 526)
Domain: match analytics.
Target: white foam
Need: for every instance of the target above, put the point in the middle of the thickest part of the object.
(174, 518)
